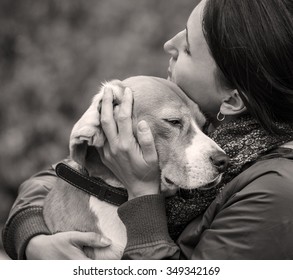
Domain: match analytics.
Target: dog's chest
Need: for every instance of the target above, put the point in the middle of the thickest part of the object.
(110, 225)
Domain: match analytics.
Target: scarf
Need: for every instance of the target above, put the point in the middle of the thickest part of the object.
(244, 141)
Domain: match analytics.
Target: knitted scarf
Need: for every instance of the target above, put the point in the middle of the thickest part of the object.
(244, 141)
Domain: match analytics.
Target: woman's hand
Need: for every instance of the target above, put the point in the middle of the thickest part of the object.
(134, 164)
(64, 245)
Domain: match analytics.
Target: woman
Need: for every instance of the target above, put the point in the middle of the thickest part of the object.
(235, 59)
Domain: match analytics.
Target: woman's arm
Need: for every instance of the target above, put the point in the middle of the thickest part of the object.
(147, 232)
(26, 235)
(26, 219)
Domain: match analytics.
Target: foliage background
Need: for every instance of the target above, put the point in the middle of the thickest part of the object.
(53, 56)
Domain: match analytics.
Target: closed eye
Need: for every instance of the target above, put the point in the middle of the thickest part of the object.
(174, 122)
(187, 51)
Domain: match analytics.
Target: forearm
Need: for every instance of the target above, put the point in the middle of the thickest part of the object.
(21, 228)
(147, 231)
(26, 219)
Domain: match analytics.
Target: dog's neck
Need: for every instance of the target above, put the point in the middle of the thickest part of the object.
(109, 179)
(96, 168)
(101, 172)
(104, 173)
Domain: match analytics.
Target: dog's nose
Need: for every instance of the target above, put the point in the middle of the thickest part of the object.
(220, 160)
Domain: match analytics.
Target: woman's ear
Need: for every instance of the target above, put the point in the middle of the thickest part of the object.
(232, 104)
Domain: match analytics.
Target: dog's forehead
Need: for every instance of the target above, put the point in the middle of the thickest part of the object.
(147, 85)
(163, 95)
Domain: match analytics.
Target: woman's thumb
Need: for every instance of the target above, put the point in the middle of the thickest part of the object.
(146, 141)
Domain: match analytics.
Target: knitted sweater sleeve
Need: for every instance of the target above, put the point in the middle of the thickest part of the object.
(26, 218)
(147, 232)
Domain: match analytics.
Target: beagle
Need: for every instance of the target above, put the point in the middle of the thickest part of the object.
(188, 158)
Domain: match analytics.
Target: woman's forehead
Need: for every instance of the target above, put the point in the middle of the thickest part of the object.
(195, 18)
(194, 29)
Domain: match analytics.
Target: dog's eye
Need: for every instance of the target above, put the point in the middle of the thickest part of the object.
(174, 122)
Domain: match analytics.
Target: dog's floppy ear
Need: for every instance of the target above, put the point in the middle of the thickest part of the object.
(87, 131)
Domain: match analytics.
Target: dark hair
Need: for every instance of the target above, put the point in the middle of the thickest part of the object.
(251, 41)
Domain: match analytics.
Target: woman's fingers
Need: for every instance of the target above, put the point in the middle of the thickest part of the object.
(64, 245)
(121, 113)
(120, 134)
(122, 138)
(107, 118)
(89, 239)
(146, 141)
(124, 120)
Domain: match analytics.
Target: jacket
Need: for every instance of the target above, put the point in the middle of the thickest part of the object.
(252, 218)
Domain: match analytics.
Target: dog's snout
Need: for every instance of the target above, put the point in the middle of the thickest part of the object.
(220, 160)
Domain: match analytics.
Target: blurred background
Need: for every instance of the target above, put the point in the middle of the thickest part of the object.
(53, 56)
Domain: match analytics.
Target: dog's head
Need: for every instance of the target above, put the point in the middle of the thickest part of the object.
(187, 157)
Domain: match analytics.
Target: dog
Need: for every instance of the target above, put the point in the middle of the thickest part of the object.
(188, 158)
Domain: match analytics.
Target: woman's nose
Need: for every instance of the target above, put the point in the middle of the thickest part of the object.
(171, 49)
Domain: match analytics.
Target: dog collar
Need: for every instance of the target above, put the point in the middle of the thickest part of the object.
(93, 186)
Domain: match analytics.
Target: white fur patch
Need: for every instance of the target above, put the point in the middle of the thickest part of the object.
(111, 226)
(199, 167)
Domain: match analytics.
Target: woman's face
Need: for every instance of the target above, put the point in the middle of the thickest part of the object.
(192, 67)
